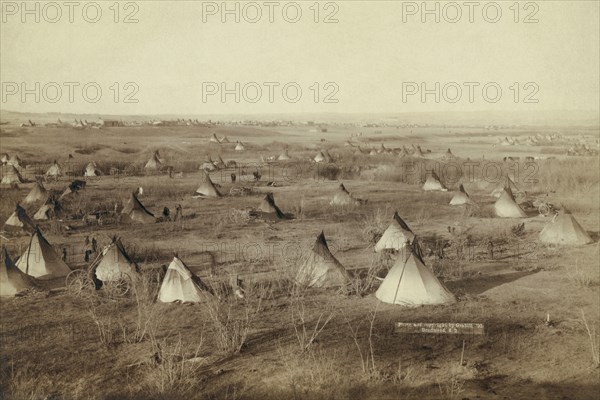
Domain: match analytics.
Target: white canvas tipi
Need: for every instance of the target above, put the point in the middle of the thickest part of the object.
(207, 188)
(12, 279)
(114, 263)
(507, 207)
(54, 171)
(396, 236)
(12, 175)
(343, 197)
(433, 183)
(268, 206)
(284, 156)
(37, 194)
(136, 212)
(19, 220)
(40, 260)
(564, 229)
(410, 283)
(461, 197)
(321, 268)
(154, 163)
(180, 284)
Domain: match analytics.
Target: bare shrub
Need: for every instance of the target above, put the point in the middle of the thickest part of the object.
(231, 321)
(306, 333)
(594, 340)
(172, 374)
(366, 350)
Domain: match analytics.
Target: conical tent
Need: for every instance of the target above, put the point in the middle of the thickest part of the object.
(396, 236)
(180, 284)
(114, 263)
(418, 152)
(220, 163)
(410, 283)
(240, 147)
(507, 207)
(225, 140)
(268, 206)
(284, 156)
(461, 197)
(321, 268)
(12, 279)
(4, 158)
(153, 163)
(564, 229)
(136, 211)
(14, 160)
(207, 188)
(90, 170)
(54, 171)
(320, 157)
(505, 183)
(448, 155)
(40, 260)
(433, 182)
(45, 212)
(214, 139)
(37, 194)
(343, 197)
(12, 175)
(19, 220)
(208, 165)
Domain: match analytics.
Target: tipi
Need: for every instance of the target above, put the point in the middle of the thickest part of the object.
(461, 197)
(154, 163)
(114, 263)
(448, 155)
(396, 236)
(214, 139)
(207, 188)
(208, 165)
(343, 197)
(321, 268)
(19, 220)
(12, 279)
(40, 260)
(38, 193)
(180, 284)
(284, 156)
(433, 182)
(410, 283)
(12, 176)
(320, 157)
(136, 211)
(239, 147)
(54, 171)
(507, 183)
(268, 206)
(564, 229)
(90, 170)
(507, 207)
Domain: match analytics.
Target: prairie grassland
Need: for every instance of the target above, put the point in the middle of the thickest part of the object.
(539, 303)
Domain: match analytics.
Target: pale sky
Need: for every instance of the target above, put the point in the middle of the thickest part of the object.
(368, 55)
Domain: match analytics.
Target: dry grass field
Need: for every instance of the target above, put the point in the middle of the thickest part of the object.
(280, 342)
